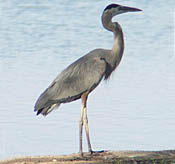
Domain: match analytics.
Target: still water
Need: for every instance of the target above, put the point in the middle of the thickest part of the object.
(135, 110)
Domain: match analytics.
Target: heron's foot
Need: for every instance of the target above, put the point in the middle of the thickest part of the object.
(81, 154)
(91, 152)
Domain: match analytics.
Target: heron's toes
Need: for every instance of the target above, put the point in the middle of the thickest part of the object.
(91, 152)
(81, 154)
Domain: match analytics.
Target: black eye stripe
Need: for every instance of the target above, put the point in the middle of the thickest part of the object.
(111, 6)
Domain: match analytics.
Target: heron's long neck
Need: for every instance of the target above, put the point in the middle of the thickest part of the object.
(118, 45)
(107, 21)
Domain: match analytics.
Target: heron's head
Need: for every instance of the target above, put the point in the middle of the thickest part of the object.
(116, 9)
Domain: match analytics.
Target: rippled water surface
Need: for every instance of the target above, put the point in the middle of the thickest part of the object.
(135, 110)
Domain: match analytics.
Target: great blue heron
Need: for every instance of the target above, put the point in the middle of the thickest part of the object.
(84, 75)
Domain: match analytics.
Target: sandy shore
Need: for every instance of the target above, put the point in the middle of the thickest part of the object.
(107, 157)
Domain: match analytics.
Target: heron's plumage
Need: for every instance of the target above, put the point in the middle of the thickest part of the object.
(84, 75)
(81, 76)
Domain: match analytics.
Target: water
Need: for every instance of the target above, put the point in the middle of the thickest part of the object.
(134, 110)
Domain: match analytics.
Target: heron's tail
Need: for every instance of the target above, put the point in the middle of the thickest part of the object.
(46, 110)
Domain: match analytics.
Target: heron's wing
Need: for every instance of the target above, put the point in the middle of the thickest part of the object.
(81, 76)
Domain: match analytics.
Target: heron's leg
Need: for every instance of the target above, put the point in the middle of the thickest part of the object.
(85, 122)
(81, 128)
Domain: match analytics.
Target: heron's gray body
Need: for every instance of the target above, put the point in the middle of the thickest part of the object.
(81, 76)
(84, 75)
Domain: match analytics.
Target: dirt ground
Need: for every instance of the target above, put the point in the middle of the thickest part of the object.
(106, 157)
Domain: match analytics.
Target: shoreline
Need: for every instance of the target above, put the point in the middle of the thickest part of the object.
(106, 157)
